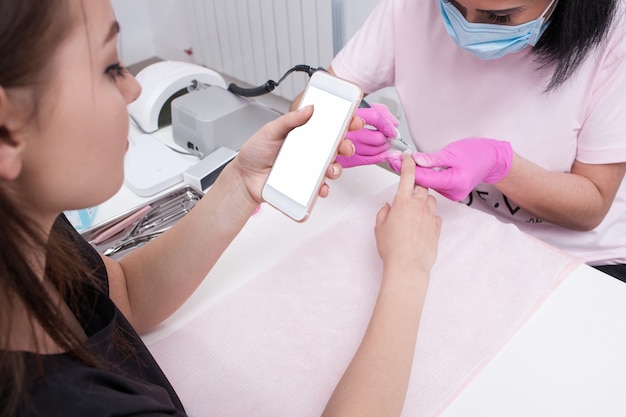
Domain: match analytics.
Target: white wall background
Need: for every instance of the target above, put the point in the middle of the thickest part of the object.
(152, 28)
(157, 28)
(352, 13)
(136, 30)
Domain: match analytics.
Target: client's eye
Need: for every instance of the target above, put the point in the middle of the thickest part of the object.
(116, 71)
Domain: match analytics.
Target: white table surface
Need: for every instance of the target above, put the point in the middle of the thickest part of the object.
(568, 360)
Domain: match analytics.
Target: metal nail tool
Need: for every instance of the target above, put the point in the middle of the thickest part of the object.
(162, 215)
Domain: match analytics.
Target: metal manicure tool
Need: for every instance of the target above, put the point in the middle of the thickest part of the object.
(160, 215)
(399, 144)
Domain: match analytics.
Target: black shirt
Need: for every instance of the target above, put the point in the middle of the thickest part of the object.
(130, 381)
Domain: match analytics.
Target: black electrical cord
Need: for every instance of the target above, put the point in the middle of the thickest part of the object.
(270, 84)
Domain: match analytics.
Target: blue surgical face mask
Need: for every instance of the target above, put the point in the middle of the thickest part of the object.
(490, 41)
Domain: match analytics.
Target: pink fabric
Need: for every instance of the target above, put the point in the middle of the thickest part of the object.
(371, 141)
(278, 345)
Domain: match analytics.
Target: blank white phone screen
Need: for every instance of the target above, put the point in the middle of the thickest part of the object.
(306, 149)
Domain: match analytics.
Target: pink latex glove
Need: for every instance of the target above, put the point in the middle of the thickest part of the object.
(372, 141)
(460, 166)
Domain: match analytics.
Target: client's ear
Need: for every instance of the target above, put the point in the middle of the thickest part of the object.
(11, 145)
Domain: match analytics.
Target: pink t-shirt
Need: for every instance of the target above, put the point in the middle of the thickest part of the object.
(448, 94)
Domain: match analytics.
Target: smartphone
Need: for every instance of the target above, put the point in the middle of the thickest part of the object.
(300, 166)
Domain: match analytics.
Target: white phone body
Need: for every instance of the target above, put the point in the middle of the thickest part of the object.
(300, 166)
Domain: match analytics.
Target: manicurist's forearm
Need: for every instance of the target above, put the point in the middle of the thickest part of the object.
(571, 200)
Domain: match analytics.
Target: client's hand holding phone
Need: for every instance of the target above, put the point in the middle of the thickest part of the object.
(298, 171)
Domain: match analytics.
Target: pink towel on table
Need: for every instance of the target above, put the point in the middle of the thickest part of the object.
(278, 345)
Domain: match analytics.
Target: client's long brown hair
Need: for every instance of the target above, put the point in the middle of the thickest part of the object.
(30, 33)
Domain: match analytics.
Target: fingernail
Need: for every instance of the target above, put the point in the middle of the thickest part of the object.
(310, 106)
(335, 170)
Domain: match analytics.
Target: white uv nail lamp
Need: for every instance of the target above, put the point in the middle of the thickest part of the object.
(161, 83)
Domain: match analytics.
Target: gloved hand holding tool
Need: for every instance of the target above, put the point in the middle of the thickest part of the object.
(373, 141)
(460, 166)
